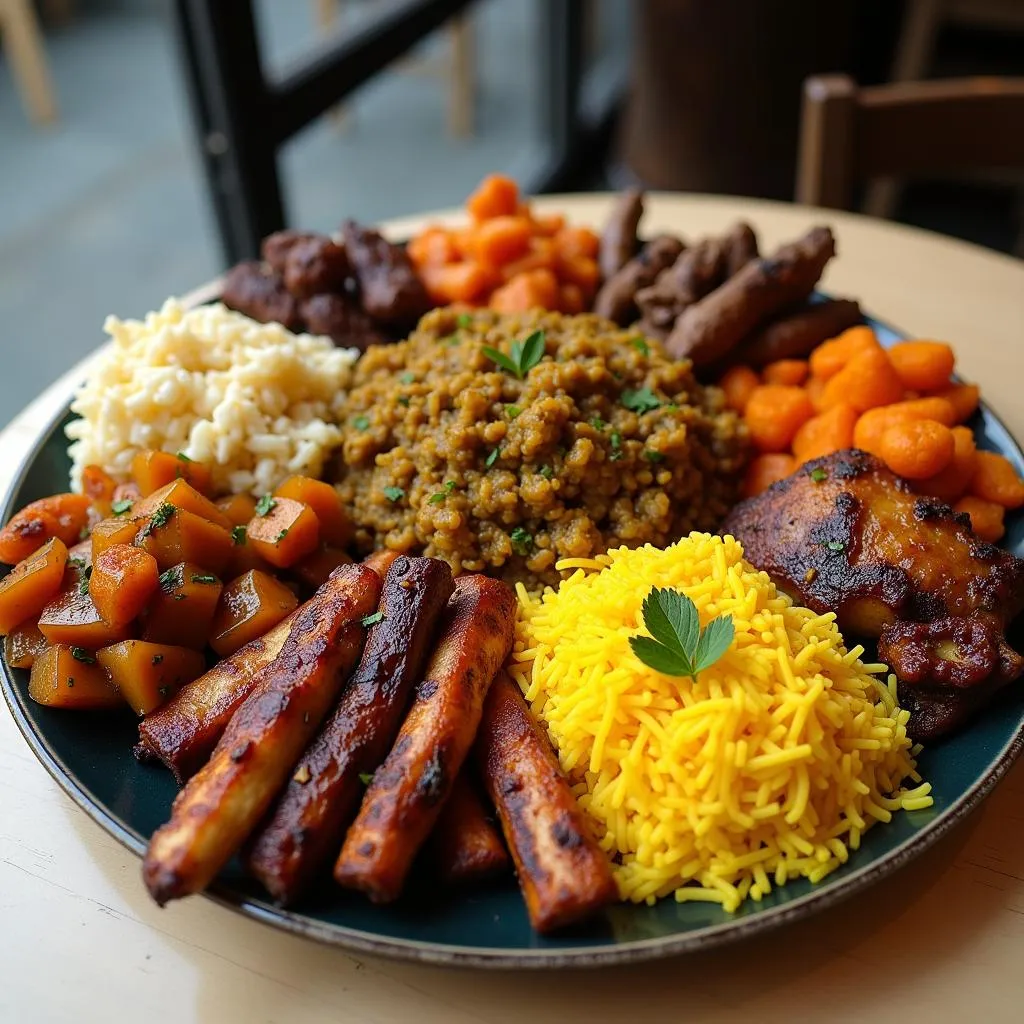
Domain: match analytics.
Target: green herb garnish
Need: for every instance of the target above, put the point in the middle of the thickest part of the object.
(652, 456)
(83, 580)
(360, 422)
(163, 690)
(597, 423)
(205, 578)
(835, 545)
(525, 355)
(183, 457)
(71, 680)
(238, 534)
(547, 472)
(161, 517)
(281, 534)
(522, 542)
(464, 320)
(677, 645)
(83, 655)
(265, 505)
(372, 619)
(121, 506)
(640, 344)
(76, 563)
(492, 457)
(394, 494)
(408, 377)
(616, 443)
(403, 400)
(451, 340)
(436, 499)
(366, 778)
(819, 475)
(641, 400)
(512, 411)
(170, 578)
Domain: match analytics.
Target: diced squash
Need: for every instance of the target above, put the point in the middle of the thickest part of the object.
(152, 470)
(116, 529)
(249, 607)
(72, 617)
(32, 584)
(181, 494)
(23, 645)
(496, 196)
(149, 674)
(286, 531)
(502, 239)
(98, 486)
(80, 556)
(238, 508)
(314, 569)
(173, 535)
(244, 556)
(181, 610)
(123, 579)
(60, 515)
(335, 524)
(69, 677)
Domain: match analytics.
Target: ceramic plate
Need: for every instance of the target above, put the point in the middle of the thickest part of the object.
(89, 755)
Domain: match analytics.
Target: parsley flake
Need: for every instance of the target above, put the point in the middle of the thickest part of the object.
(366, 778)
(640, 344)
(597, 423)
(83, 580)
(522, 542)
(464, 320)
(436, 499)
(408, 377)
(677, 645)
(819, 475)
(835, 545)
(512, 411)
(238, 534)
(372, 619)
(281, 534)
(492, 457)
(652, 456)
(525, 355)
(547, 472)
(121, 506)
(394, 494)
(403, 400)
(157, 658)
(161, 517)
(360, 422)
(208, 578)
(183, 457)
(83, 655)
(265, 505)
(640, 400)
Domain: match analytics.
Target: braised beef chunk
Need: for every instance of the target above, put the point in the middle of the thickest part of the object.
(616, 301)
(314, 265)
(619, 241)
(391, 291)
(258, 291)
(275, 247)
(341, 319)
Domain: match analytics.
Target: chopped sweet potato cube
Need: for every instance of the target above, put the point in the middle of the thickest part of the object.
(152, 470)
(249, 607)
(122, 580)
(72, 617)
(335, 525)
(98, 486)
(283, 531)
(148, 674)
(172, 535)
(181, 610)
(314, 569)
(23, 645)
(116, 529)
(181, 494)
(70, 677)
(32, 584)
(238, 508)
(244, 556)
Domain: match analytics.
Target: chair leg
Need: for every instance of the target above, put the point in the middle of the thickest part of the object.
(23, 45)
(463, 78)
(913, 58)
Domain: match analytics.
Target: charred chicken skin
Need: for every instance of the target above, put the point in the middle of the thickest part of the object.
(844, 534)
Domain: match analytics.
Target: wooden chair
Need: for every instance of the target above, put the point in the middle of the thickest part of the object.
(23, 45)
(851, 135)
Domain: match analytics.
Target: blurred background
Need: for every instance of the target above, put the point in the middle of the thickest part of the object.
(138, 154)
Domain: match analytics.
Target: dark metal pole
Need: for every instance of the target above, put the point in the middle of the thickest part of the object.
(561, 50)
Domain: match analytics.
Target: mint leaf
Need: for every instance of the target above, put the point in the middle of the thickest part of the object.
(671, 618)
(394, 494)
(714, 641)
(659, 657)
(524, 355)
(640, 401)
(501, 359)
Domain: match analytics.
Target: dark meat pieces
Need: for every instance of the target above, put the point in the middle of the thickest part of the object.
(314, 266)
(710, 329)
(616, 300)
(391, 291)
(947, 669)
(258, 291)
(619, 241)
(341, 319)
(275, 247)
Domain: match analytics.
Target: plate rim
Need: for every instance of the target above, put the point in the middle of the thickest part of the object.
(501, 958)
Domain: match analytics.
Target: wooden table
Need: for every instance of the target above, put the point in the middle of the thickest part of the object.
(941, 940)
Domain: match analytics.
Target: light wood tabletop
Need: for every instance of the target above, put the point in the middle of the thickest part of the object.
(942, 939)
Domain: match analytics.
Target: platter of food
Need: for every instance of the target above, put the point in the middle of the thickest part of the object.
(525, 595)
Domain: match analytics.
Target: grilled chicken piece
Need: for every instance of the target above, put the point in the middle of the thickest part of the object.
(844, 534)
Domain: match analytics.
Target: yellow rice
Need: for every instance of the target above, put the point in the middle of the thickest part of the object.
(771, 766)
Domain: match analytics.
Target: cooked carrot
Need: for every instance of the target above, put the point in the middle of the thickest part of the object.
(963, 398)
(774, 414)
(457, 282)
(923, 365)
(239, 508)
(335, 523)
(816, 392)
(98, 486)
(986, 517)
(831, 356)
(284, 532)
(579, 270)
(122, 581)
(952, 482)
(570, 299)
(541, 255)
(764, 470)
(152, 470)
(871, 425)
(535, 289)
(495, 196)
(917, 449)
(31, 584)
(577, 241)
(995, 479)
(829, 431)
(501, 239)
(433, 248)
(61, 515)
(866, 381)
(786, 371)
(738, 383)
(549, 224)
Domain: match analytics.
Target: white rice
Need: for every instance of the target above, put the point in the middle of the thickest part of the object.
(253, 401)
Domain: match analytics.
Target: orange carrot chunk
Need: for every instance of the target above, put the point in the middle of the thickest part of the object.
(917, 449)
(831, 356)
(866, 381)
(577, 241)
(739, 383)
(123, 579)
(495, 196)
(830, 431)
(774, 414)
(963, 398)
(986, 517)
(996, 480)
(871, 425)
(501, 240)
(923, 365)
(32, 584)
(152, 470)
(786, 371)
(952, 482)
(766, 469)
(535, 289)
